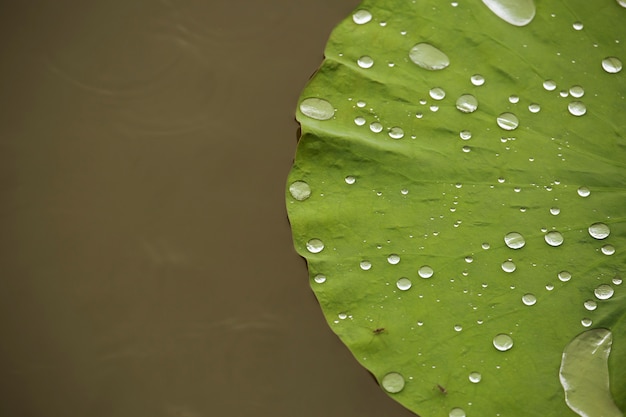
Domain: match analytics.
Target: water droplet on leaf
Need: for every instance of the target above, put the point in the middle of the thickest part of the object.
(612, 64)
(584, 192)
(317, 108)
(529, 299)
(428, 57)
(554, 238)
(508, 121)
(403, 284)
(437, 93)
(514, 240)
(361, 17)
(608, 250)
(599, 231)
(564, 276)
(475, 377)
(508, 266)
(425, 271)
(577, 108)
(396, 133)
(457, 412)
(503, 342)
(590, 305)
(365, 62)
(603, 292)
(393, 382)
(393, 259)
(514, 12)
(477, 80)
(320, 279)
(365, 265)
(315, 246)
(300, 190)
(467, 103)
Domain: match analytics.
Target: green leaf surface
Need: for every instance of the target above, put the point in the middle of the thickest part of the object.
(432, 131)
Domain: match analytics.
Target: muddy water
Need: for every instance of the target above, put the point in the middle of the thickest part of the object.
(147, 265)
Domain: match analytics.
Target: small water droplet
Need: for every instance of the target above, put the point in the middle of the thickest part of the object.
(513, 99)
(320, 279)
(457, 412)
(315, 246)
(549, 85)
(477, 79)
(586, 322)
(612, 64)
(466, 149)
(564, 276)
(514, 240)
(608, 250)
(603, 292)
(393, 382)
(361, 17)
(403, 284)
(485, 245)
(342, 316)
(359, 121)
(458, 327)
(578, 26)
(361, 103)
(617, 281)
(563, 93)
(467, 103)
(425, 271)
(428, 57)
(396, 133)
(376, 127)
(503, 342)
(516, 13)
(317, 108)
(437, 93)
(393, 259)
(555, 211)
(534, 108)
(590, 305)
(584, 192)
(365, 265)
(508, 266)
(434, 108)
(350, 180)
(465, 134)
(508, 121)
(599, 231)
(469, 259)
(529, 299)
(554, 238)
(577, 108)
(365, 62)
(475, 377)
(577, 91)
(404, 191)
(300, 190)
(549, 287)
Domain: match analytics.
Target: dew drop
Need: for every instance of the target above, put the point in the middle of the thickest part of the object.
(584, 192)
(393, 259)
(503, 342)
(549, 85)
(534, 108)
(514, 12)
(437, 93)
(485, 245)
(513, 99)
(361, 17)
(393, 382)
(317, 108)
(365, 265)
(612, 64)
(365, 62)
(458, 327)
(428, 57)
(469, 259)
(467, 103)
(465, 134)
(350, 180)
(608, 250)
(508, 266)
(554, 238)
(578, 26)
(564, 276)
(361, 103)
(359, 121)
(403, 284)
(514, 240)
(508, 121)
(577, 91)
(300, 190)
(342, 316)
(477, 80)
(577, 108)
(590, 305)
(475, 377)
(603, 292)
(466, 149)
(617, 280)
(529, 299)
(425, 271)
(599, 231)
(549, 287)
(315, 246)
(320, 279)
(457, 412)
(376, 127)
(555, 211)
(396, 133)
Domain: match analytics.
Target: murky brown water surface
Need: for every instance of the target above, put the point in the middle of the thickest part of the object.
(147, 264)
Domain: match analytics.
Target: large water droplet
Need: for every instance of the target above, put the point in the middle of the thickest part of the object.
(583, 191)
(315, 246)
(361, 17)
(529, 299)
(515, 12)
(599, 231)
(393, 259)
(514, 240)
(396, 133)
(393, 382)
(403, 284)
(365, 62)
(508, 266)
(577, 108)
(300, 190)
(457, 412)
(437, 93)
(564, 276)
(467, 103)
(554, 238)
(622, 3)
(584, 374)
(428, 57)
(508, 121)
(503, 342)
(425, 271)
(317, 108)
(612, 64)
(603, 292)
(475, 377)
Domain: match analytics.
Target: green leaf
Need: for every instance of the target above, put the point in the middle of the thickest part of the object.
(459, 192)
